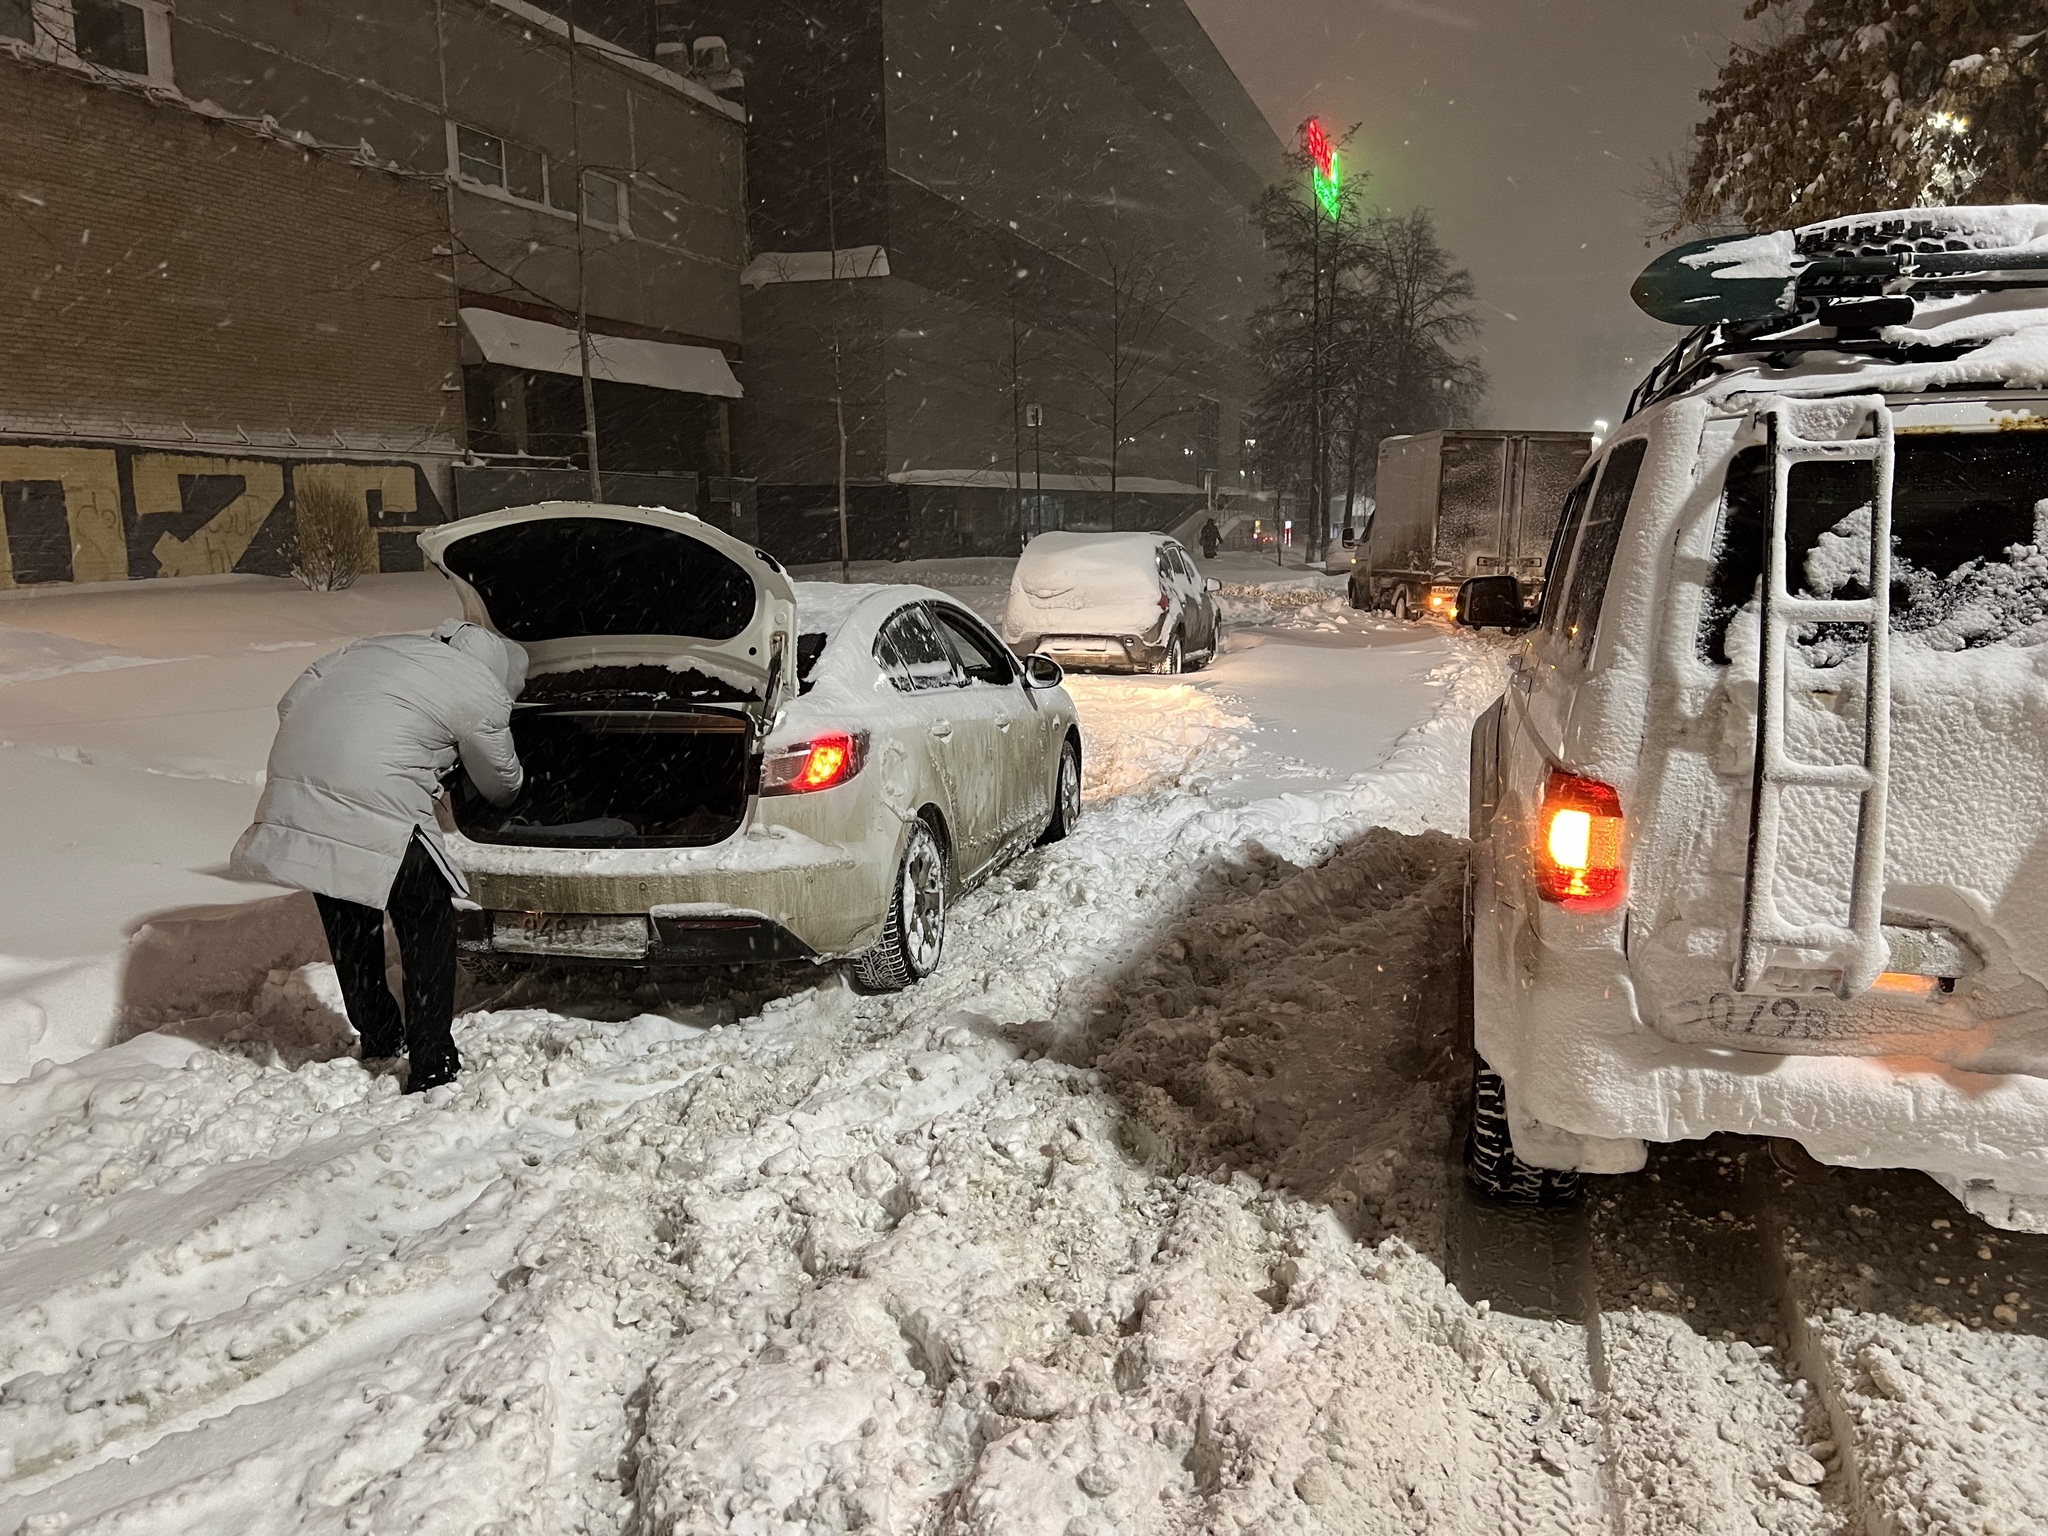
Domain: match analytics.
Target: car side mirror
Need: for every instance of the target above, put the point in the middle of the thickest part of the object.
(1042, 671)
(1492, 602)
(1211, 584)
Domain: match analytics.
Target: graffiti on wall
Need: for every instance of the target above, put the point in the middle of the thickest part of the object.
(125, 513)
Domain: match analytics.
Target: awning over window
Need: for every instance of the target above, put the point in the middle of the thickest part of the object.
(542, 348)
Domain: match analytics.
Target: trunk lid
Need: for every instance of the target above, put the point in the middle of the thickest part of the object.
(658, 598)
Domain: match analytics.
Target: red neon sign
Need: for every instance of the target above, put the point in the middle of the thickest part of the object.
(1323, 171)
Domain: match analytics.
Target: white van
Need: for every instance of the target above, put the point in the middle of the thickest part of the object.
(1760, 827)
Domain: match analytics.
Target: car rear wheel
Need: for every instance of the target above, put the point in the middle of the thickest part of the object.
(1174, 662)
(1491, 1166)
(914, 937)
(1066, 796)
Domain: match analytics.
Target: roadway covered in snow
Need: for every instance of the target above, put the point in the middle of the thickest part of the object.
(1141, 1215)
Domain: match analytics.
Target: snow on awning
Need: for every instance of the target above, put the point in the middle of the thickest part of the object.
(542, 348)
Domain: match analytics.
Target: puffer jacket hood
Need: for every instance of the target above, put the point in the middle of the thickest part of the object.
(505, 658)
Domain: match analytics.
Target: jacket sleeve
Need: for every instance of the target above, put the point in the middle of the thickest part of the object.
(490, 759)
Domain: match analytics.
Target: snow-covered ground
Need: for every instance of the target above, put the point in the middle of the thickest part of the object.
(1140, 1215)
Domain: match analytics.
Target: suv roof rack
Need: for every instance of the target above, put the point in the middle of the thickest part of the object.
(1833, 286)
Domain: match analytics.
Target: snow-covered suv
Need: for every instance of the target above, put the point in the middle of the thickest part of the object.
(1760, 826)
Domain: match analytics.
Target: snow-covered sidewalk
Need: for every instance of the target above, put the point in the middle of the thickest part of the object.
(1140, 1215)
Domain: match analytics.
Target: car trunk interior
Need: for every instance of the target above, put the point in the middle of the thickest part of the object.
(617, 767)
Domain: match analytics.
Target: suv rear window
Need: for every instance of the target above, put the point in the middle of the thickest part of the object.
(1968, 563)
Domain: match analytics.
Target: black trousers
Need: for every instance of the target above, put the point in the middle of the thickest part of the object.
(424, 916)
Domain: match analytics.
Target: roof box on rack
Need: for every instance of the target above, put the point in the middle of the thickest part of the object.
(1910, 252)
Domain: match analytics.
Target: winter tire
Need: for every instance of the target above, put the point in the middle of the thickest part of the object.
(1066, 795)
(914, 937)
(1399, 607)
(1351, 595)
(1491, 1166)
(1174, 662)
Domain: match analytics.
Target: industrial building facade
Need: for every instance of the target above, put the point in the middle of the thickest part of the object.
(255, 245)
(999, 252)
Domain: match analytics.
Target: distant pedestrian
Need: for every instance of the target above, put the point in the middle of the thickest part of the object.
(1212, 539)
(364, 738)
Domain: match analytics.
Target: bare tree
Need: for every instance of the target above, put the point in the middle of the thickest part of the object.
(1124, 359)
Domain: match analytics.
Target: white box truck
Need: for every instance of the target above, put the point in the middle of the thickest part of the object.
(1462, 502)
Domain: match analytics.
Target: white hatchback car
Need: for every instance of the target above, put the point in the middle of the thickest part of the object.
(1113, 602)
(725, 767)
(1760, 827)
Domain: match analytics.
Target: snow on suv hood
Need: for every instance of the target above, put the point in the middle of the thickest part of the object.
(581, 584)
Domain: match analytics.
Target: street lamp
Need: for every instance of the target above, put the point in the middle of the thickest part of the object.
(1034, 418)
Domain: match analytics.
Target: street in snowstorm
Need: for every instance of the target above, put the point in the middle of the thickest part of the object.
(1048, 769)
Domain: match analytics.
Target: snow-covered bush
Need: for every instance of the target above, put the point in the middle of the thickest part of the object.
(334, 544)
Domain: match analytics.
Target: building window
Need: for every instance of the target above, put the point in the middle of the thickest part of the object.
(112, 34)
(128, 37)
(514, 169)
(604, 201)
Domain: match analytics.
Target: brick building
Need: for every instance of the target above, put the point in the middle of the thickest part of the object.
(256, 245)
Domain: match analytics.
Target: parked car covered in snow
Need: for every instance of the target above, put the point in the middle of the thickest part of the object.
(1113, 602)
(724, 766)
(1760, 826)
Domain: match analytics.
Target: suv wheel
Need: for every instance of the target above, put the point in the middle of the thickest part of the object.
(1174, 661)
(1491, 1166)
(914, 937)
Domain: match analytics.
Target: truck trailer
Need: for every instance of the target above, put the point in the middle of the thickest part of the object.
(1458, 503)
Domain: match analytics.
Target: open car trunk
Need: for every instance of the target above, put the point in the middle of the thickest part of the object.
(599, 776)
(661, 650)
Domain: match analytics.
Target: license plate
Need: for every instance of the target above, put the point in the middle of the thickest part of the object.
(1796, 1025)
(600, 937)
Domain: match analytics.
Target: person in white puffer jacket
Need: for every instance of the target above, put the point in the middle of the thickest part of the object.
(364, 739)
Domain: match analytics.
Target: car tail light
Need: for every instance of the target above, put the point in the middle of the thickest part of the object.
(1578, 844)
(1164, 602)
(823, 761)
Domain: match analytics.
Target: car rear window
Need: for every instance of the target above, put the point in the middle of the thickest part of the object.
(1968, 563)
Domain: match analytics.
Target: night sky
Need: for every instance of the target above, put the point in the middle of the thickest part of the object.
(1524, 125)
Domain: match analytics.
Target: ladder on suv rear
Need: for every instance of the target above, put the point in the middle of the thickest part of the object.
(1859, 947)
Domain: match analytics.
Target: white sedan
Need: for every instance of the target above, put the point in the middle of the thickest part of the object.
(724, 766)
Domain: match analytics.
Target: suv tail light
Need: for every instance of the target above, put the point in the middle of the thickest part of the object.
(823, 761)
(1578, 844)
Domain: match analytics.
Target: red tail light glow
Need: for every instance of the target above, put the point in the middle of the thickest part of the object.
(1578, 844)
(820, 763)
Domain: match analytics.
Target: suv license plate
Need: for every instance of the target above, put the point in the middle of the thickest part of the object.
(564, 933)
